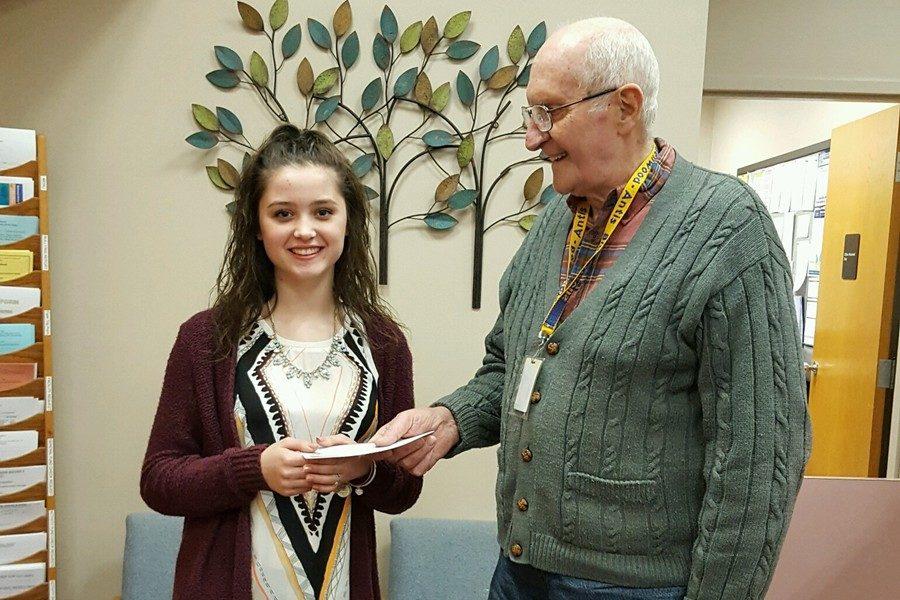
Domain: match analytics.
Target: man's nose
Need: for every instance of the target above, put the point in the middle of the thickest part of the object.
(534, 137)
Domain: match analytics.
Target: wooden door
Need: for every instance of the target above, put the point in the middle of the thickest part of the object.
(853, 325)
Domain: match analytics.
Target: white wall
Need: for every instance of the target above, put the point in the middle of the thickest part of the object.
(137, 231)
(737, 132)
(813, 46)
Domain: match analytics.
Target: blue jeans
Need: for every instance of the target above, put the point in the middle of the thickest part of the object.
(513, 581)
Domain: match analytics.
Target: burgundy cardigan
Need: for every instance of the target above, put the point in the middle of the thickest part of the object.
(195, 466)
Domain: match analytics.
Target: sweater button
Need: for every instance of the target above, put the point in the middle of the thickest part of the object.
(515, 550)
(527, 455)
(522, 504)
(552, 348)
(535, 397)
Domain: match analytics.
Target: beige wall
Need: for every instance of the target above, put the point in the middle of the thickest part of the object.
(137, 232)
(736, 132)
(812, 46)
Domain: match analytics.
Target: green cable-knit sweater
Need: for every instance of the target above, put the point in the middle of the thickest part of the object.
(669, 439)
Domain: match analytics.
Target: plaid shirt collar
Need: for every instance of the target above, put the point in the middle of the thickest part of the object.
(659, 173)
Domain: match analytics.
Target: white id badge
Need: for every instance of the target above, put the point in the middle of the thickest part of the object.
(530, 370)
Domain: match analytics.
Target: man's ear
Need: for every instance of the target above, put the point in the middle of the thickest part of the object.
(630, 101)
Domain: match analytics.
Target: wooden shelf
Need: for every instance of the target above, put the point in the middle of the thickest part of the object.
(40, 353)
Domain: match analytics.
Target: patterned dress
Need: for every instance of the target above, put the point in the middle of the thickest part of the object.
(300, 545)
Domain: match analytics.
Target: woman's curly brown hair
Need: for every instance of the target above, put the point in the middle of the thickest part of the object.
(246, 281)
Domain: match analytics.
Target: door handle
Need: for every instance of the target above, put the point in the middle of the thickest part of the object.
(811, 368)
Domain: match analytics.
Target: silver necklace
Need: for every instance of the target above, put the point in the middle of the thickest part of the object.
(293, 371)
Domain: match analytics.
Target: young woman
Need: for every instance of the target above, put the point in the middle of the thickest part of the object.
(297, 352)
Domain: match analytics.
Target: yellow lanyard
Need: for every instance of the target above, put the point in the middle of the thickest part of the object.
(576, 236)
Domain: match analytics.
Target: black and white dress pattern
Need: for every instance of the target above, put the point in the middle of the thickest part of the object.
(301, 545)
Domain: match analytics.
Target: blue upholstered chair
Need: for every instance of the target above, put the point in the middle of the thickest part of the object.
(432, 559)
(151, 547)
(439, 559)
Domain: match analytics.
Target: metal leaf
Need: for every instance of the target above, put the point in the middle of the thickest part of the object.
(319, 34)
(202, 139)
(205, 118)
(228, 173)
(231, 207)
(549, 194)
(229, 121)
(446, 188)
(327, 108)
(464, 89)
(278, 14)
(223, 78)
(527, 222)
(370, 193)
(259, 72)
(441, 97)
(438, 139)
(388, 24)
(457, 24)
(430, 35)
(325, 81)
(440, 221)
(371, 94)
(533, 183)
(489, 63)
(410, 38)
(503, 77)
(350, 50)
(462, 199)
(228, 58)
(216, 178)
(250, 16)
(245, 162)
(423, 90)
(384, 140)
(305, 77)
(381, 52)
(524, 76)
(463, 49)
(290, 43)
(362, 165)
(536, 38)
(466, 151)
(343, 18)
(515, 46)
(405, 82)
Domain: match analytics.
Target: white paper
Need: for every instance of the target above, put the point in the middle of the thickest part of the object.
(351, 450)
(809, 332)
(16, 443)
(15, 579)
(15, 409)
(800, 265)
(16, 514)
(16, 300)
(16, 479)
(17, 147)
(14, 548)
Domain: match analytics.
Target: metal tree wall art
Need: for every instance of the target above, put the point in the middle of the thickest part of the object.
(373, 134)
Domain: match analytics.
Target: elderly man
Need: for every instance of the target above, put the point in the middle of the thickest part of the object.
(643, 378)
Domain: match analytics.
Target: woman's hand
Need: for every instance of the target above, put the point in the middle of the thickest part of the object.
(282, 466)
(328, 476)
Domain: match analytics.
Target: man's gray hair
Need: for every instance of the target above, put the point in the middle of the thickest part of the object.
(617, 54)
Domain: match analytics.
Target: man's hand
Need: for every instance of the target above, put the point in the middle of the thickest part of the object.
(419, 456)
(282, 466)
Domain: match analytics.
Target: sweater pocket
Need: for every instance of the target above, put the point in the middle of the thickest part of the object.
(609, 515)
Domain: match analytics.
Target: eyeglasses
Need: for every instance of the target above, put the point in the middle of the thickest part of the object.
(540, 114)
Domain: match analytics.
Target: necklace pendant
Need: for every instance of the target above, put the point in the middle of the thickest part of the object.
(307, 380)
